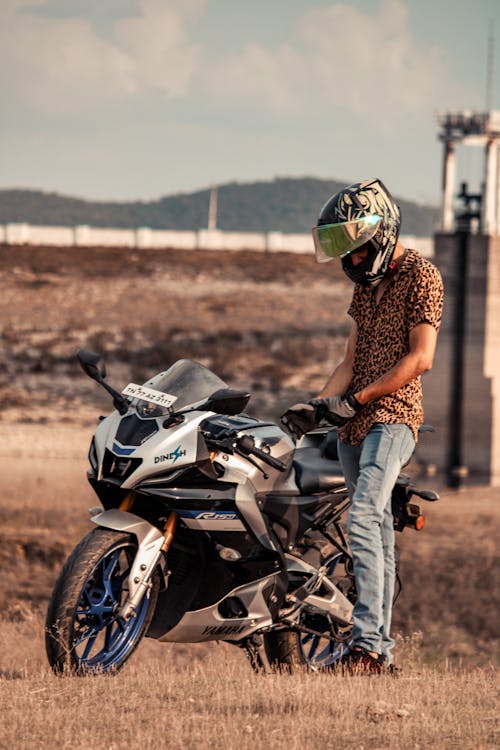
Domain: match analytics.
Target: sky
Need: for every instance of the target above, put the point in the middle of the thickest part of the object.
(136, 99)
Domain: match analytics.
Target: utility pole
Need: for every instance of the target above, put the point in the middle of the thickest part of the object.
(490, 61)
(212, 209)
(457, 471)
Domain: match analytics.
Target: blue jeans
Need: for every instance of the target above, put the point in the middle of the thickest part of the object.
(371, 470)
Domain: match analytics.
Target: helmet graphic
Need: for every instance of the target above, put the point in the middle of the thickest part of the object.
(363, 214)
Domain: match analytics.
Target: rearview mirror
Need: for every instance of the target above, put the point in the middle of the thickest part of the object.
(227, 401)
(92, 364)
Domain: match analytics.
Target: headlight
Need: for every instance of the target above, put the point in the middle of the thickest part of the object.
(147, 410)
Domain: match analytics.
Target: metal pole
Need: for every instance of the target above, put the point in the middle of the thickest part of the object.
(490, 66)
(456, 470)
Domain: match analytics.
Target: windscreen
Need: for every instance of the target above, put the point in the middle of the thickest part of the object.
(186, 379)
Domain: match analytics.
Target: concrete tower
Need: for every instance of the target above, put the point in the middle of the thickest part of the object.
(462, 392)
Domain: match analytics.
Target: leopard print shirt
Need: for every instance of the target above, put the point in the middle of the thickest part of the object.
(414, 295)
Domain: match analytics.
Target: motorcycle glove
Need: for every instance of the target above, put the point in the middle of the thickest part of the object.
(337, 410)
(299, 419)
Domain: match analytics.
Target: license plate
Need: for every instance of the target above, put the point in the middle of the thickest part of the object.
(149, 394)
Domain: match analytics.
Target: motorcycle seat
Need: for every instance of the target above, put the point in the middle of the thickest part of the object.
(314, 473)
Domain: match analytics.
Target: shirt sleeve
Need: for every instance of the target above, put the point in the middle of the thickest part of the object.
(425, 303)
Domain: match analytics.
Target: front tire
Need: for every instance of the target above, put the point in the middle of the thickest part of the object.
(84, 633)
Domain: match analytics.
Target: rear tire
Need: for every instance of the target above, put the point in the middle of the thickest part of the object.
(287, 650)
(83, 631)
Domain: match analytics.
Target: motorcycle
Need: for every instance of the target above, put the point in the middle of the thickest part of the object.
(213, 525)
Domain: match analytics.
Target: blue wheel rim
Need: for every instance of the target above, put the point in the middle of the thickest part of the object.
(320, 651)
(101, 640)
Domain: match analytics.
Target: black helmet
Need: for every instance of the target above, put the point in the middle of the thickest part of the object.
(362, 214)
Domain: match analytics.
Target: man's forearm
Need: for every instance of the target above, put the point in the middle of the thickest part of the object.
(340, 379)
(338, 382)
(406, 370)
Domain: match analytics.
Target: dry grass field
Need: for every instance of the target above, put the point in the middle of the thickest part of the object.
(267, 327)
(218, 703)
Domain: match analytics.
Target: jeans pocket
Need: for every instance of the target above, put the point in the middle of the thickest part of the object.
(377, 446)
(407, 446)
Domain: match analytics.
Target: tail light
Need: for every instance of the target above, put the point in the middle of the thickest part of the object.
(419, 522)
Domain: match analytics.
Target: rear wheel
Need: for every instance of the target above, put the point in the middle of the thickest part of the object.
(322, 642)
(84, 632)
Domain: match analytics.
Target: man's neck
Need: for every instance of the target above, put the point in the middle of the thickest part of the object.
(397, 259)
(398, 252)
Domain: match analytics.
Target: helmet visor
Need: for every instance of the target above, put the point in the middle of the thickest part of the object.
(337, 240)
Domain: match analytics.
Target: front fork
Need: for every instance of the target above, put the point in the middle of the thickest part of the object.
(151, 544)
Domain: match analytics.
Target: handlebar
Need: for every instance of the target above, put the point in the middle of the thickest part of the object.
(246, 444)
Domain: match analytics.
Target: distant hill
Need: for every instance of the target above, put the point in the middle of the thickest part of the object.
(284, 204)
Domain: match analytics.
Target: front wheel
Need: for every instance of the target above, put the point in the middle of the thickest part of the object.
(84, 632)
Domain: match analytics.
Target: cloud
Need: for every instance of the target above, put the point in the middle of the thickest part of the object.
(64, 66)
(340, 60)
(159, 46)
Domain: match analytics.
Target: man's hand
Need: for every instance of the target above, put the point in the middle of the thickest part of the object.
(299, 419)
(337, 410)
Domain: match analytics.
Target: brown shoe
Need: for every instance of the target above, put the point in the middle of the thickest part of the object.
(360, 661)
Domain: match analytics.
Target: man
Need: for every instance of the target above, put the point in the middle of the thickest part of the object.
(374, 395)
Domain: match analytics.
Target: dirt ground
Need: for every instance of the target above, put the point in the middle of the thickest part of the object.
(273, 324)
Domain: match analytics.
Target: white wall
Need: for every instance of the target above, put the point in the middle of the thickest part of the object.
(161, 238)
(20, 234)
(216, 239)
(144, 237)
